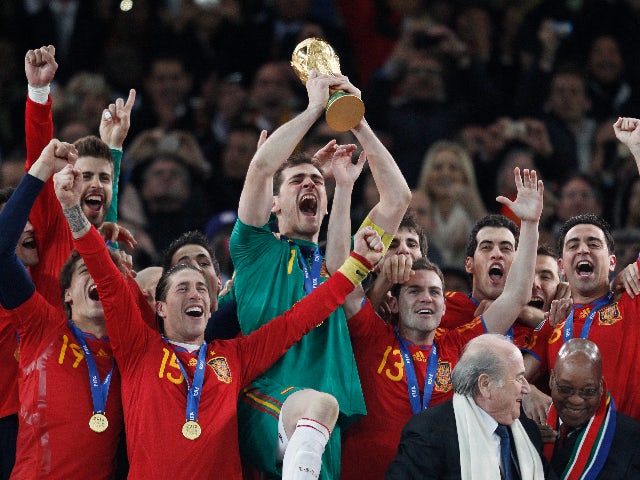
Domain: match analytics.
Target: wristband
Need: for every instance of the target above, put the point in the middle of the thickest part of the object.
(39, 94)
(355, 268)
(384, 236)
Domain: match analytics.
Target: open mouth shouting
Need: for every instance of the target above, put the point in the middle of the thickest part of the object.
(196, 311)
(496, 273)
(93, 293)
(308, 205)
(537, 302)
(584, 268)
(94, 202)
(28, 241)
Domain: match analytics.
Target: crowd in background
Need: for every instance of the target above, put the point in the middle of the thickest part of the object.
(460, 91)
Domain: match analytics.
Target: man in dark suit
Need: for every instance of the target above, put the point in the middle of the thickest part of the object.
(459, 439)
(584, 412)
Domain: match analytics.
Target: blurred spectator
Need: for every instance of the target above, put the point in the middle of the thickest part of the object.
(613, 168)
(449, 180)
(226, 185)
(627, 242)
(12, 98)
(627, 209)
(165, 194)
(222, 104)
(577, 195)
(514, 157)
(456, 280)
(571, 130)
(272, 96)
(552, 31)
(276, 27)
(76, 28)
(611, 94)
(165, 101)
(410, 102)
(12, 168)
(428, 88)
(423, 214)
(218, 231)
(82, 101)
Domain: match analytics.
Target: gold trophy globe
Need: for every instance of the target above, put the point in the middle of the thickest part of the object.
(343, 110)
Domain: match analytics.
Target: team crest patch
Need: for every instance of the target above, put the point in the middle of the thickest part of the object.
(324, 273)
(221, 369)
(443, 377)
(16, 354)
(609, 315)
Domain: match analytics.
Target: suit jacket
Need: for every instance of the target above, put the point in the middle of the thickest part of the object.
(623, 460)
(429, 448)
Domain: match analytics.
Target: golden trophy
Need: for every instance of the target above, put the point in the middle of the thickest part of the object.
(343, 110)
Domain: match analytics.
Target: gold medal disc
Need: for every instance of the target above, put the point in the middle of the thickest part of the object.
(98, 422)
(191, 430)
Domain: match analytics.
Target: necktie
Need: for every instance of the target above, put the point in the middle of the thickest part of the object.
(505, 450)
(565, 431)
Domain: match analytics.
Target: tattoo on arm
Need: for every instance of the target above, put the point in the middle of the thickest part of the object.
(76, 218)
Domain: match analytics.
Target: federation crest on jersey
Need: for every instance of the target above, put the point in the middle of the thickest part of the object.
(221, 368)
(443, 377)
(609, 315)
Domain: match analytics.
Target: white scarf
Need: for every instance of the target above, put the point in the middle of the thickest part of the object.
(476, 462)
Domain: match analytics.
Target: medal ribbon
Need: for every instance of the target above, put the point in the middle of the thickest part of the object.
(568, 324)
(412, 379)
(99, 390)
(195, 388)
(311, 280)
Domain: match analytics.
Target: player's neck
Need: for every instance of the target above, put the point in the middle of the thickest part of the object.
(95, 327)
(417, 337)
(296, 235)
(585, 298)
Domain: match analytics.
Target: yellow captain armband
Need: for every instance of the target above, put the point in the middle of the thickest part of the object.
(355, 268)
(384, 236)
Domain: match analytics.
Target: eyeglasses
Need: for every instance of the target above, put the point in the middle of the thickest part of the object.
(570, 392)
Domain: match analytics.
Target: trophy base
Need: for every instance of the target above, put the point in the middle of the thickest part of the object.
(343, 111)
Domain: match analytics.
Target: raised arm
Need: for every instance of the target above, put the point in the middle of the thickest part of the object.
(395, 194)
(40, 68)
(627, 131)
(517, 289)
(114, 126)
(345, 173)
(256, 198)
(16, 285)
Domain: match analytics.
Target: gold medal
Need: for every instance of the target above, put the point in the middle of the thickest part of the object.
(98, 422)
(191, 430)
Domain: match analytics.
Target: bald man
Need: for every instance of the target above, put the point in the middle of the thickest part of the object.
(605, 443)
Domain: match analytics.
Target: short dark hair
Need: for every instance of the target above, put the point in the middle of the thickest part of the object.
(420, 264)
(493, 220)
(192, 237)
(548, 250)
(92, 146)
(293, 161)
(409, 222)
(588, 219)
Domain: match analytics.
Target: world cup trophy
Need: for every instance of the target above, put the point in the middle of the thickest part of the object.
(343, 110)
